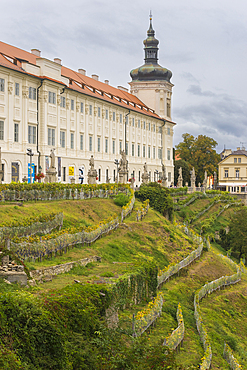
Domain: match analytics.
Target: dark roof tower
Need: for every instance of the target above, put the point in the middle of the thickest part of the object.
(151, 70)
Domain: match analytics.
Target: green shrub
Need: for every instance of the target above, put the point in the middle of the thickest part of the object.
(121, 200)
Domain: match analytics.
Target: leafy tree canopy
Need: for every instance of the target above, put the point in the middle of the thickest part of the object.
(199, 152)
(237, 235)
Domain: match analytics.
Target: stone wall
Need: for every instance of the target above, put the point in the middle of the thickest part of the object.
(60, 269)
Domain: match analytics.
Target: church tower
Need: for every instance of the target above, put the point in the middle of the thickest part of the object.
(151, 84)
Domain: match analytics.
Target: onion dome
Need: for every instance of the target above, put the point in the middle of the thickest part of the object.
(151, 70)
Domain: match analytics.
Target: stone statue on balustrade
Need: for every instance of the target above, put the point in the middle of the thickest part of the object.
(163, 176)
(193, 179)
(1, 171)
(205, 181)
(180, 178)
(215, 180)
(123, 168)
(145, 175)
(92, 173)
(51, 173)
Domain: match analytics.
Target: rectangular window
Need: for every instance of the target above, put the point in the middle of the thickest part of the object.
(121, 118)
(98, 111)
(127, 148)
(106, 145)
(153, 152)
(99, 174)
(90, 143)
(159, 153)
(1, 130)
(149, 152)
(62, 139)
(62, 103)
(120, 147)
(114, 116)
(168, 154)
(52, 97)
(106, 174)
(31, 134)
(32, 93)
(3, 171)
(51, 136)
(239, 160)
(149, 126)
(138, 150)
(168, 131)
(144, 125)
(98, 144)
(133, 150)
(139, 123)
(154, 128)
(72, 140)
(72, 104)
(114, 175)
(64, 173)
(133, 122)
(226, 173)
(113, 146)
(237, 174)
(106, 114)
(160, 129)
(235, 160)
(90, 109)
(16, 132)
(169, 176)
(2, 84)
(82, 108)
(17, 89)
(139, 176)
(144, 151)
(81, 142)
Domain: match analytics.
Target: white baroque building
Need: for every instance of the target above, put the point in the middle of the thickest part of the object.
(44, 106)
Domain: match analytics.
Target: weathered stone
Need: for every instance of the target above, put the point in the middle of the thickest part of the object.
(5, 260)
(15, 277)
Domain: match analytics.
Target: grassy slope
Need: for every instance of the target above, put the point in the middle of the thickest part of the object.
(155, 238)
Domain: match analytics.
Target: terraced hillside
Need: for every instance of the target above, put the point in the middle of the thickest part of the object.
(60, 324)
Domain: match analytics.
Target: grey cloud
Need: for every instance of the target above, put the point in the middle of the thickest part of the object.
(196, 90)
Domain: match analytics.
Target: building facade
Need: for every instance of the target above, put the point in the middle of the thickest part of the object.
(233, 170)
(44, 106)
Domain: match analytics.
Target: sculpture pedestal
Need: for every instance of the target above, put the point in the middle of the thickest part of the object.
(145, 178)
(91, 177)
(51, 175)
(180, 183)
(123, 177)
(164, 183)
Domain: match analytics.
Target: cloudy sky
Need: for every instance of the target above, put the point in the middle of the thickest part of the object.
(203, 43)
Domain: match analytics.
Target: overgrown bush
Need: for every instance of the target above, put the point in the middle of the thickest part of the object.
(121, 200)
(158, 196)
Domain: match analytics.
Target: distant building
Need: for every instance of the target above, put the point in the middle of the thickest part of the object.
(44, 106)
(233, 170)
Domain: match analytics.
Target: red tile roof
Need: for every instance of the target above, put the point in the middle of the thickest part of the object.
(78, 82)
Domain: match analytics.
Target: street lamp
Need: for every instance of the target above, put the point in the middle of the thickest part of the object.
(116, 162)
(30, 154)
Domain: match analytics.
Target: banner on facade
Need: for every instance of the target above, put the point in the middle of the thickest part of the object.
(15, 171)
(31, 174)
(71, 171)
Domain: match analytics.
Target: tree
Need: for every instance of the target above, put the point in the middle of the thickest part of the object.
(199, 153)
(237, 236)
(185, 171)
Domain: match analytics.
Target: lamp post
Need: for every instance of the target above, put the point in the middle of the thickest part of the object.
(116, 162)
(30, 154)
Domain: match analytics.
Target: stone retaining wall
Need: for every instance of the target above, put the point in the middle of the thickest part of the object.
(60, 269)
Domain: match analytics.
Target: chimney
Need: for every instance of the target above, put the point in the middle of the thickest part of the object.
(82, 71)
(36, 52)
(107, 82)
(58, 61)
(95, 77)
(123, 88)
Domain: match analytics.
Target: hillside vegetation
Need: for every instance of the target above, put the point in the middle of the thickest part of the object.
(61, 324)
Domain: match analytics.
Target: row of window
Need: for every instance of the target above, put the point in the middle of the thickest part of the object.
(32, 134)
(32, 93)
(237, 172)
(155, 175)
